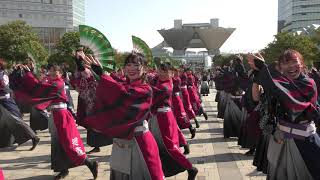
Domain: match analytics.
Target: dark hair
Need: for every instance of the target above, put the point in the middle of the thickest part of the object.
(56, 68)
(166, 66)
(136, 57)
(289, 55)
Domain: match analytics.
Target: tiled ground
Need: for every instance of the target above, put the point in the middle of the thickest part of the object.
(215, 157)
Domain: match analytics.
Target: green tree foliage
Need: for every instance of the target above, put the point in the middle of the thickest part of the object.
(119, 58)
(69, 42)
(17, 39)
(222, 59)
(302, 43)
(65, 49)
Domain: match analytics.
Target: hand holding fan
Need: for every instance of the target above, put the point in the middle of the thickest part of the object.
(100, 46)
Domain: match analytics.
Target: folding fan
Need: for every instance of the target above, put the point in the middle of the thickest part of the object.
(100, 46)
(35, 59)
(140, 46)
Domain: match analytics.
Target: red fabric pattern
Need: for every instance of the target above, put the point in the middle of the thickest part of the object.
(54, 92)
(168, 125)
(193, 94)
(177, 105)
(150, 152)
(119, 109)
(86, 86)
(186, 98)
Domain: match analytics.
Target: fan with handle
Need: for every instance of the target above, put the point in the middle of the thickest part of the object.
(140, 46)
(99, 45)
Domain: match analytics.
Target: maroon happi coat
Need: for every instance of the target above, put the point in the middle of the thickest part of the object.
(167, 123)
(117, 77)
(54, 92)
(119, 109)
(298, 97)
(193, 93)
(177, 105)
(185, 97)
(86, 86)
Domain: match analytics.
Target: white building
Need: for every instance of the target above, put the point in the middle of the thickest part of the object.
(49, 18)
(209, 36)
(294, 15)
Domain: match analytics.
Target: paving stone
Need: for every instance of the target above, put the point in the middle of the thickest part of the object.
(215, 157)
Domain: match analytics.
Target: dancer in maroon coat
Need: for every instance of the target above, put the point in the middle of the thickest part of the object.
(121, 112)
(186, 99)
(165, 130)
(194, 95)
(86, 84)
(68, 134)
(177, 105)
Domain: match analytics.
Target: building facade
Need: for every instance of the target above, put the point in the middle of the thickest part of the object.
(49, 18)
(207, 36)
(294, 15)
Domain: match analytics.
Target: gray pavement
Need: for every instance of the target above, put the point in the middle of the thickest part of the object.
(215, 157)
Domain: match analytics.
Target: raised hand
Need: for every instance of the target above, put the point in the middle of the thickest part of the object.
(255, 60)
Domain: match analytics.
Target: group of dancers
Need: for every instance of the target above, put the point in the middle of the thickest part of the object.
(274, 112)
(139, 110)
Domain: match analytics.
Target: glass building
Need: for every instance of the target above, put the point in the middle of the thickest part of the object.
(49, 18)
(294, 15)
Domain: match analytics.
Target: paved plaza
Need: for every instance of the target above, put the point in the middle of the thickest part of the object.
(215, 157)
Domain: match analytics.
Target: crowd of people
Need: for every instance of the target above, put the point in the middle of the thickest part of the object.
(273, 110)
(138, 110)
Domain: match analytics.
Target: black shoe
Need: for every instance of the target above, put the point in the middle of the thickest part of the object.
(193, 132)
(197, 123)
(94, 150)
(35, 142)
(250, 152)
(94, 169)
(205, 116)
(62, 175)
(192, 173)
(186, 149)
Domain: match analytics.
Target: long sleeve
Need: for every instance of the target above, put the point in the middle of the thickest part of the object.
(298, 97)
(119, 108)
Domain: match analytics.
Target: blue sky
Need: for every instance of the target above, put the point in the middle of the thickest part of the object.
(255, 20)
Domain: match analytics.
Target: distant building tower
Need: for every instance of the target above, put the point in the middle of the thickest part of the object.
(294, 15)
(49, 18)
(196, 35)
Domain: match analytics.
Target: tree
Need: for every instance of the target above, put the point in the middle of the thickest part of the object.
(17, 39)
(65, 47)
(69, 42)
(283, 41)
(221, 59)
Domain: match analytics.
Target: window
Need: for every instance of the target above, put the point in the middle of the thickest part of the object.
(47, 1)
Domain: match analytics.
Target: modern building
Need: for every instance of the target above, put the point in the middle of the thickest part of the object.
(196, 35)
(49, 18)
(294, 15)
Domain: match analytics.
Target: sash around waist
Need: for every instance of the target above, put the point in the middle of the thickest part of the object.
(302, 130)
(59, 106)
(164, 109)
(6, 96)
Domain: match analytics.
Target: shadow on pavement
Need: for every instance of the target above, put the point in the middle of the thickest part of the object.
(41, 177)
(218, 158)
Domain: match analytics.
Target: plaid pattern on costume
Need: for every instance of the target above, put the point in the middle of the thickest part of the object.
(298, 97)
(119, 108)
